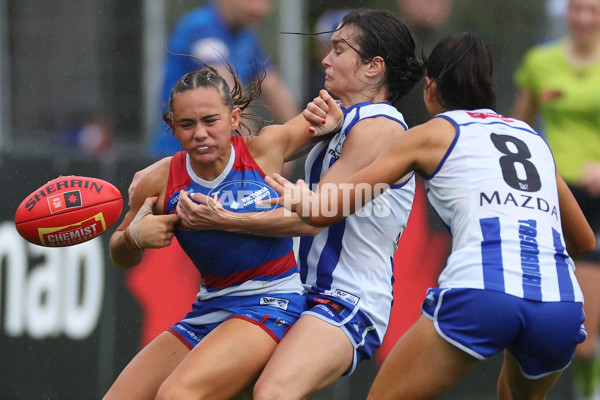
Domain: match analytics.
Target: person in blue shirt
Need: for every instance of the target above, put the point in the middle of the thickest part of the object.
(217, 33)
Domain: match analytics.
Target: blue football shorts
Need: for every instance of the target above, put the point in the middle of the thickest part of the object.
(354, 322)
(541, 335)
(274, 313)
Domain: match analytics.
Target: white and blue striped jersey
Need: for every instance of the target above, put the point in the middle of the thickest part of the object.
(496, 191)
(353, 259)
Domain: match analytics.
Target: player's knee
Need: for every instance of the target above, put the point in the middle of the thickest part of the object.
(164, 393)
(170, 390)
(264, 390)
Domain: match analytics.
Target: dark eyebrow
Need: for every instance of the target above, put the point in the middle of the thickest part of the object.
(337, 40)
(203, 117)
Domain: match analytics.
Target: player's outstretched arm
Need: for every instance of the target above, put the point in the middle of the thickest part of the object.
(579, 236)
(278, 143)
(421, 149)
(200, 212)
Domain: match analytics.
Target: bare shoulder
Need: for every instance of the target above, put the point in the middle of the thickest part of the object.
(430, 143)
(264, 140)
(437, 131)
(369, 137)
(267, 147)
(160, 174)
(379, 127)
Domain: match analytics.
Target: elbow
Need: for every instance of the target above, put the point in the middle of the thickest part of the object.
(584, 247)
(119, 264)
(125, 261)
(591, 244)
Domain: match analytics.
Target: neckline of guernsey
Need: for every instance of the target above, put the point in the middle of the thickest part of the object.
(215, 182)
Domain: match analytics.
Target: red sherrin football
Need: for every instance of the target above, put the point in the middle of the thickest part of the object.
(68, 210)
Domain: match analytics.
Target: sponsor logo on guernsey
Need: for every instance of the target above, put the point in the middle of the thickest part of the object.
(274, 302)
(240, 194)
(488, 115)
(347, 297)
(497, 198)
(175, 199)
(337, 150)
(241, 197)
(530, 251)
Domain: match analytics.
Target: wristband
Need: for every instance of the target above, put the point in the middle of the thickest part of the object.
(128, 241)
(133, 230)
(338, 125)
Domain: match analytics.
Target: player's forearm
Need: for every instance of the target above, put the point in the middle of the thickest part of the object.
(277, 223)
(123, 253)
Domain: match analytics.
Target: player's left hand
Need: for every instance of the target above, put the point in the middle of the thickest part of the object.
(200, 212)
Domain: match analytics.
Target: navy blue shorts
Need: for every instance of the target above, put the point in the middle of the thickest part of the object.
(355, 323)
(275, 314)
(541, 335)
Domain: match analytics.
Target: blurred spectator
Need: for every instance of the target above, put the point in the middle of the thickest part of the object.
(92, 135)
(219, 32)
(560, 80)
(556, 11)
(328, 22)
(425, 19)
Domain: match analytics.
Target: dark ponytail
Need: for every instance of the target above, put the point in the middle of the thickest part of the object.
(461, 66)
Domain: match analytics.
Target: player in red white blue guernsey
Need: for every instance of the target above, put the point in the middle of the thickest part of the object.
(508, 284)
(263, 270)
(251, 293)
